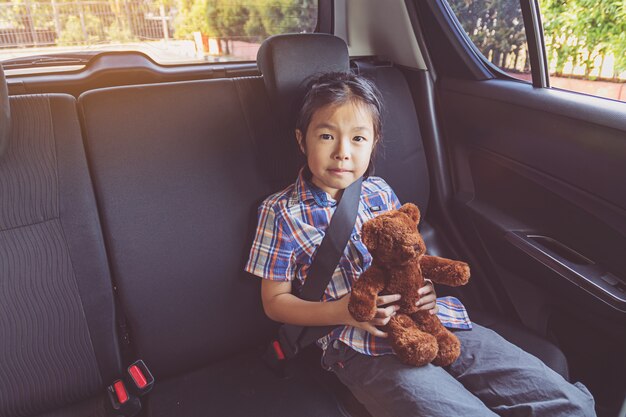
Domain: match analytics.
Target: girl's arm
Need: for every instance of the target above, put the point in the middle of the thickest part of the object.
(282, 306)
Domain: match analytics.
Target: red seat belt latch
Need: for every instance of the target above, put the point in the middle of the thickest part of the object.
(120, 391)
(280, 355)
(141, 377)
(123, 402)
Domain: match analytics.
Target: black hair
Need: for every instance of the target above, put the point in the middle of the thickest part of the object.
(336, 88)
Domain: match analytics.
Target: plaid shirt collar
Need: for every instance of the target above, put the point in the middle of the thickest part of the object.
(305, 191)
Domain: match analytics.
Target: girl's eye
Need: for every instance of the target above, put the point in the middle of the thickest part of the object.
(359, 139)
(326, 136)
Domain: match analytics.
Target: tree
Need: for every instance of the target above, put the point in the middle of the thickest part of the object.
(80, 30)
(595, 26)
(495, 27)
(283, 16)
(227, 20)
(580, 31)
(576, 31)
(559, 24)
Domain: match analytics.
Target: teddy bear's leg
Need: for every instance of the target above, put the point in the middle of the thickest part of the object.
(411, 345)
(449, 344)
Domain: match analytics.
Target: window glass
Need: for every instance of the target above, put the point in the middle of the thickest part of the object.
(586, 45)
(170, 31)
(497, 29)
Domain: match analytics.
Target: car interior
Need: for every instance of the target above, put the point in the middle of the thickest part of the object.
(129, 194)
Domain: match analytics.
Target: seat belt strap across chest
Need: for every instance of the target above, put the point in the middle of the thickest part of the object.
(293, 337)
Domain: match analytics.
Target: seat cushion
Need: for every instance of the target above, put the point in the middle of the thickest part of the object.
(525, 339)
(178, 190)
(243, 386)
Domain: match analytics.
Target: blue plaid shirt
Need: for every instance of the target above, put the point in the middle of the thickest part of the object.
(292, 224)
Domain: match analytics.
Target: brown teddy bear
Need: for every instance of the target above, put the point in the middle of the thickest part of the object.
(399, 267)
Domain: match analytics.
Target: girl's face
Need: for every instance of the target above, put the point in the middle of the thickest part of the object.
(338, 145)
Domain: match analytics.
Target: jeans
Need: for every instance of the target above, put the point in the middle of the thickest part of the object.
(491, 377)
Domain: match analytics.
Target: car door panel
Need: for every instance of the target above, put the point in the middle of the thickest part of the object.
(540, 181)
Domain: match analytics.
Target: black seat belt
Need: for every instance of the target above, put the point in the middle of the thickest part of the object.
(291, 337)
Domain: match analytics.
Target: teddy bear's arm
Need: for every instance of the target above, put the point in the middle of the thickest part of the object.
(362, 305)
(444, 271)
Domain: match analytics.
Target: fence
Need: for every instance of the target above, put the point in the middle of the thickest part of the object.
(46, 23)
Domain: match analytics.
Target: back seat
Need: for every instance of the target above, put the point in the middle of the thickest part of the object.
(178, 182)
(58, 346)
(179, 170)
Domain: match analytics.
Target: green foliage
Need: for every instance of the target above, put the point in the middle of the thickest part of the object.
(119, 32)
(191, 17)
(80, 32)
(575, 31)
(580, 31)
(496, 28)
(230, 19)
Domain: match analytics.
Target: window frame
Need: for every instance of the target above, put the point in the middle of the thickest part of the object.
(536, 43)
(474, 58)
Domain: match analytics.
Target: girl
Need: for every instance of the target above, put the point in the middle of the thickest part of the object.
(338, 129)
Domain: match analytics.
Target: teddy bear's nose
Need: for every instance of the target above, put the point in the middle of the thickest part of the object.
(417, 247)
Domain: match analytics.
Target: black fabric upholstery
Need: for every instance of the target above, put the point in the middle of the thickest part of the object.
(5, 112)
(288, 61)
(400, 157)
(244, 386)
(83, 235)
(47, 358)
(272, 153)
(92, 407)
(175, 173)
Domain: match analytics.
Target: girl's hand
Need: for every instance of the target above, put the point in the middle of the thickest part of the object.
(428, 298)
(384, 312)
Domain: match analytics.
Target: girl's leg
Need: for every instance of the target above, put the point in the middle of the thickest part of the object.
(512, 382)
(388, 388)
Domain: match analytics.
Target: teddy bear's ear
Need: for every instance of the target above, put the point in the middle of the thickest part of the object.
(369, 234)
(412, 211)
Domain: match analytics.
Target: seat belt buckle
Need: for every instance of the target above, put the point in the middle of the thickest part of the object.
(275, 358)
(290, 349)
(141, 377)
(123, 402)
(278, 350)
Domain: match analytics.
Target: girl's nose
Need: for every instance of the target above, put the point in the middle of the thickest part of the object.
(342, 152)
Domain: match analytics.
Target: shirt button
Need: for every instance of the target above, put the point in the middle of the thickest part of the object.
(356, 237)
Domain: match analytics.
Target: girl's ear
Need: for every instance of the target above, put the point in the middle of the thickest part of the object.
(412, 211)
(301, 141)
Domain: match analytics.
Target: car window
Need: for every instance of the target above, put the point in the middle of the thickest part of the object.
(169, 31)
(585, 41)
(496, 28)
(586, 46)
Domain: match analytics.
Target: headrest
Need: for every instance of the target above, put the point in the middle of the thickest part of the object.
(287, 62)
(5, 112)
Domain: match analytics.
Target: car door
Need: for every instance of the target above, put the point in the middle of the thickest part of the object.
(538, 179)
